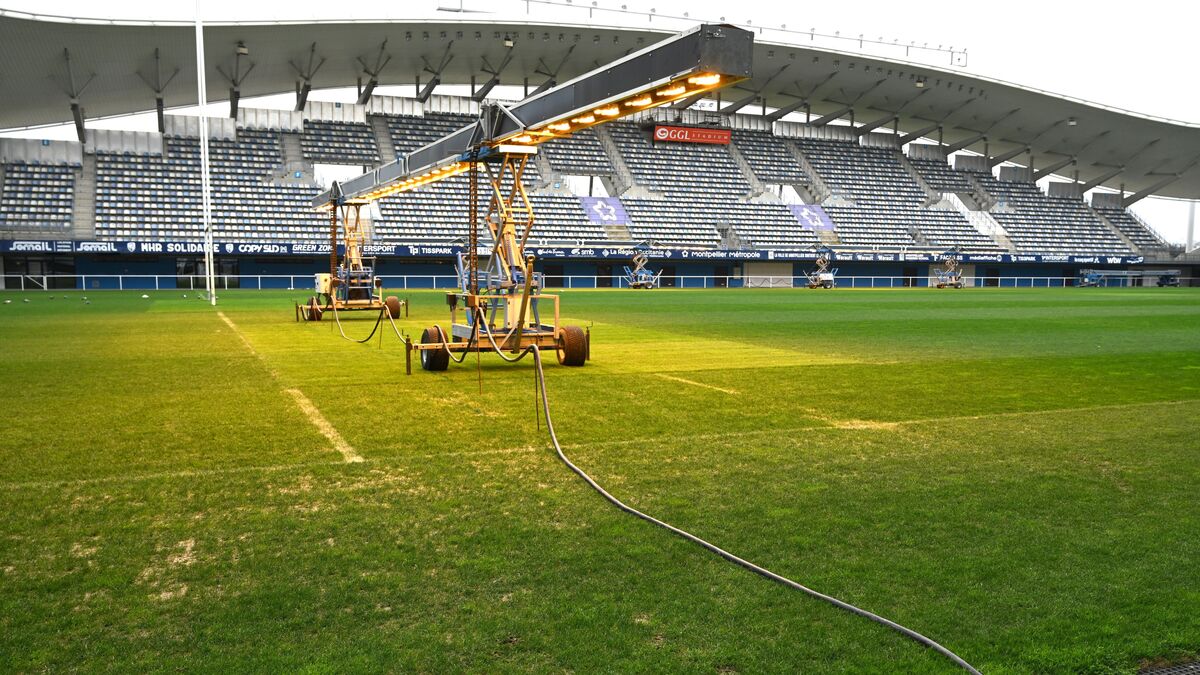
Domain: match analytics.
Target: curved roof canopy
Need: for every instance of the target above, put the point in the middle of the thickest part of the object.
(113, 68)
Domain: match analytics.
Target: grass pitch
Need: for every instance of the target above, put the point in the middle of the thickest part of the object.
(1011, 472)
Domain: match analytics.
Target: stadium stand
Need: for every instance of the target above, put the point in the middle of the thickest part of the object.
(769, 157)
(579, 154)
(1038, 223)
(940, 176)
(37, 196)
(701, 188)
(885, 205)
(154, 198)
(339, 142)
(685, 194)
(1131, 227)
(409, 133)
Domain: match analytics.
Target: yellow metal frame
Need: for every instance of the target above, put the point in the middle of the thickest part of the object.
(346, 220)
(509, 220)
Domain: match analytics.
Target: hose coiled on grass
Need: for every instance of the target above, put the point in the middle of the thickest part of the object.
(907, 632)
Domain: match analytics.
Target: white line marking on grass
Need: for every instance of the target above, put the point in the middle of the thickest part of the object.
(164, 475)
(405, 459)
(324, 426)
(1051, 411)
(695, 384)
(306, 406)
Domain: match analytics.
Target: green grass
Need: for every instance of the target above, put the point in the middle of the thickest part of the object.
(1011, 472)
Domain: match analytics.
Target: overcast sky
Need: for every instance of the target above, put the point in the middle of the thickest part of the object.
(1139, 58)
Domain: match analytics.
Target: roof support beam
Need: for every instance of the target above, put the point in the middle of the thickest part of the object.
(787, 110)
(381, 61)
(918, 134)
(738, 104)
(871, 126)
(1004, 157)
(74, 93)
(158, 86)
(236, 77)
(1098, 180)
(826, 119)
(1142, 194)
(551, 75)
(305, 84)
(802, 100)
(424, 94)
(482, 92)
(980, 136)
(822, 121)
(688, 102)
(1167, 180)
(743, 102)
(955, 147)
(892, 116)
(1048, 170)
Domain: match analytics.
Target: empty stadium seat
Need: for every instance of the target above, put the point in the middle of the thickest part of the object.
(151, 198)
(37, 197)
(887, 203)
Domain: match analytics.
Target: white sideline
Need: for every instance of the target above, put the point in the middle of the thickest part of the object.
(696, 384)
(306, 406)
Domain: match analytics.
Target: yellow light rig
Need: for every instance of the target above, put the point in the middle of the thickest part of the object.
(501, 303)
(350, 285)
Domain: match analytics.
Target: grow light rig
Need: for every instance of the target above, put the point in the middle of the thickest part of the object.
(351, 283)
(950, 274)
(639, 276)
(501, 301)
(824, 276)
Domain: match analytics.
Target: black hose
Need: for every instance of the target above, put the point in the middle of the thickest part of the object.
(338, 320)
(541, 378)
(907, 632)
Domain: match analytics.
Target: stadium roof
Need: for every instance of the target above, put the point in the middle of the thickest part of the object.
(113, 61)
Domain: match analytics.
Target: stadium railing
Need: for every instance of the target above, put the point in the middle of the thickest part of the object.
(304, 282)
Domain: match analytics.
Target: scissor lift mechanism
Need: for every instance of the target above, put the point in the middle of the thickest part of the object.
(824, 276)
(351, 284)
(501, 307)
(950, 274)
(639, 276)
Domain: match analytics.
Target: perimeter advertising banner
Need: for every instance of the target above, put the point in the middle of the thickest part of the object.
(691, 135)
(448, 251)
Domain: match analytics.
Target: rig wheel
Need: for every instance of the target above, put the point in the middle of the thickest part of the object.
(434, 359)
(393, 306)
(827, 285)
(571, 346)
(314, 311)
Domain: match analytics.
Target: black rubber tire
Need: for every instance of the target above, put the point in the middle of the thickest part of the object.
(434, 359)
(571, 346)
(827, 285)
(393, 306)
(314, 311)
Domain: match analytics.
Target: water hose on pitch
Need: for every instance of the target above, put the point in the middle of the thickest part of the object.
(378, 320)
(713, 548)
(907, 632)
